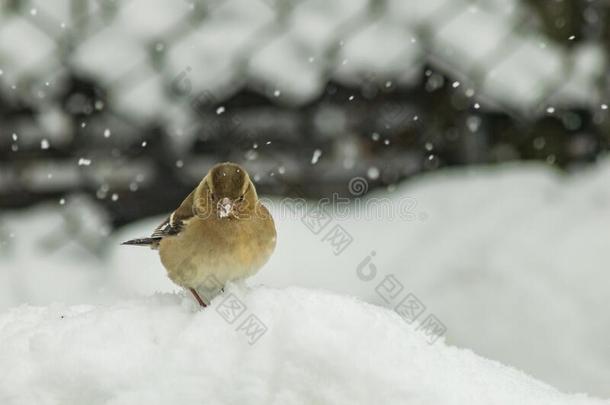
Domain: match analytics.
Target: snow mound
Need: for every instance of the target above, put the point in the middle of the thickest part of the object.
(309, 348)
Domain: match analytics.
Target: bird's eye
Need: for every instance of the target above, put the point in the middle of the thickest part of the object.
(241, 198)
(213, 197)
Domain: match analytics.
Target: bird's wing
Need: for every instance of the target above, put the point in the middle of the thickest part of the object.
(167, 228)
(177, 219)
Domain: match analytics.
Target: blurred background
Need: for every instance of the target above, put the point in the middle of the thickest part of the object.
(488, 117)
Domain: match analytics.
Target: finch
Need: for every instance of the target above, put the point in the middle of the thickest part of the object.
(221, 232)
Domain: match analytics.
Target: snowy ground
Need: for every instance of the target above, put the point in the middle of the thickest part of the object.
(512, 260)
(317, 348)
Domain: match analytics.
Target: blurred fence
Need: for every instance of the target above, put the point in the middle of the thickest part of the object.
(130, 102)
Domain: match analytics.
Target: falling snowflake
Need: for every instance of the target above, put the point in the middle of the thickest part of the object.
(539, 143)
(372, 173)
(44, 144)
(84, 162)
(107, 133)
(316, 156)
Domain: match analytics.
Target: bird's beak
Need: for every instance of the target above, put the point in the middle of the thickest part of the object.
(224, 207)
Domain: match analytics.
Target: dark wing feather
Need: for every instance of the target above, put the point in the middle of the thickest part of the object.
(176, 221)
(168, 227)
(171, 226)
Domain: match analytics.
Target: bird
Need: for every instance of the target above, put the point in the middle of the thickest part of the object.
(221, 232)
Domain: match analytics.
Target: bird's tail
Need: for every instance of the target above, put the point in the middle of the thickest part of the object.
(152, 242)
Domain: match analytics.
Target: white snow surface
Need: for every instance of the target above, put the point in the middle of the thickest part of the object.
(319, 348)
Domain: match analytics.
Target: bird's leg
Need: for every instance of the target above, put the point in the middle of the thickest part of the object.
(197, 297)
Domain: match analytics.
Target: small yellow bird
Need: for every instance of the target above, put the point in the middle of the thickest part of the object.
(221, 231)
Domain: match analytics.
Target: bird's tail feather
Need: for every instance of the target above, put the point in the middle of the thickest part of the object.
(153, 242)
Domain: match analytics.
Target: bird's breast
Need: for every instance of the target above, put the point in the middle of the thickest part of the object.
(226, 248)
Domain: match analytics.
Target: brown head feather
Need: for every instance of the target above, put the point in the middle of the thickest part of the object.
(226, 180)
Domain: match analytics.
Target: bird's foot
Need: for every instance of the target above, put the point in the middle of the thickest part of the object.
(197, 297)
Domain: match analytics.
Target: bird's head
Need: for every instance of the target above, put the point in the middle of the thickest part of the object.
(227, 192)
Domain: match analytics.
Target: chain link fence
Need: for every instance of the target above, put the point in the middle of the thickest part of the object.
(132, 101)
